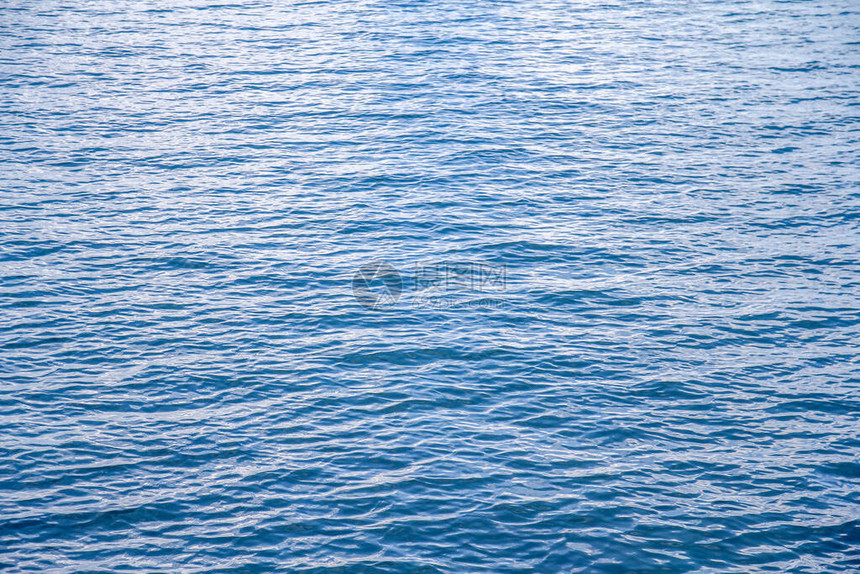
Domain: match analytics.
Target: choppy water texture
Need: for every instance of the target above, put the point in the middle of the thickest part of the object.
(666, 379)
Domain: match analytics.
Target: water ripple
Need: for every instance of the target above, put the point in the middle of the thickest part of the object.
(639, 354)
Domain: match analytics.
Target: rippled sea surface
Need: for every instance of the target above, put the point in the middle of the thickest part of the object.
(636, 349)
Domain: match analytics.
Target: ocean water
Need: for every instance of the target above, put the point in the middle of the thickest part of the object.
(489, 286)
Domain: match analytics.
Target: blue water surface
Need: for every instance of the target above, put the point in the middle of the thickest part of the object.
(453, 286)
